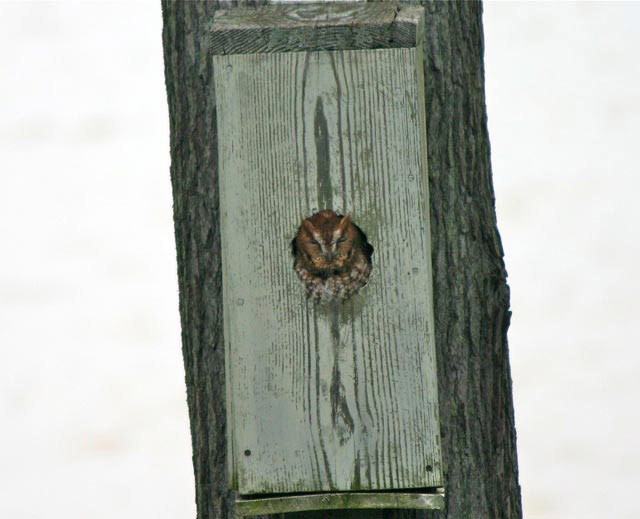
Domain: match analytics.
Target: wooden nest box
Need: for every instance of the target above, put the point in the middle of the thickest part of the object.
(330, 405)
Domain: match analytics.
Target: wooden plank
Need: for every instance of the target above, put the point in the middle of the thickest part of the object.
(342, 501)
(300, 132)
(315, 27)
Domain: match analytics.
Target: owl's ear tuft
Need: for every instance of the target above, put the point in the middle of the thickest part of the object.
(344, 224)
(309, 227)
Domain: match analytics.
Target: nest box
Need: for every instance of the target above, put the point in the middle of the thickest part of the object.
(330, 405)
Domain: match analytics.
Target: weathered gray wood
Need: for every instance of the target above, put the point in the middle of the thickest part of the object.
(470, 292)
(295, 28)
(341, 501)
(345, 397)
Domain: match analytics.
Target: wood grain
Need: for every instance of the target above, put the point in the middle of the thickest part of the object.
(341, 501)
(315, 27)
(340, 397)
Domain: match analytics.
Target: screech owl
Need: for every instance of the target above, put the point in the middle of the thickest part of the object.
(332, 256)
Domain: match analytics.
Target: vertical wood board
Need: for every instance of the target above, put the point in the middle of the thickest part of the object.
(340, 397)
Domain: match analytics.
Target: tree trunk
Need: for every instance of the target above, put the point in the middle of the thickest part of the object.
(470, 290)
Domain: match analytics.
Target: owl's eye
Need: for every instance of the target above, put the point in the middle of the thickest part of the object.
(313, 242)
(341, 240)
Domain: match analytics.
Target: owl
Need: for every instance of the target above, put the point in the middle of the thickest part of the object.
(332, 256)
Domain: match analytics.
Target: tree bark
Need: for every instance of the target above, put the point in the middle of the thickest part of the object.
(470, 290)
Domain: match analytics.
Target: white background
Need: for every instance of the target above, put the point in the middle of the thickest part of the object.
(93, 415)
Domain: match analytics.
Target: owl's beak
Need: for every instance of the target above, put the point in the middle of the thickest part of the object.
(330, 256)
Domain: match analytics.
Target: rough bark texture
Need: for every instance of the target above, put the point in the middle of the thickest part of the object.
(471, 294)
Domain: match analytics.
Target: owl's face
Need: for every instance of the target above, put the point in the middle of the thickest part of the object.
(327, 245)
(332, 256)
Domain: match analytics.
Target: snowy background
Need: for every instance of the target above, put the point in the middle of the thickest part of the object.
(93, 415)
